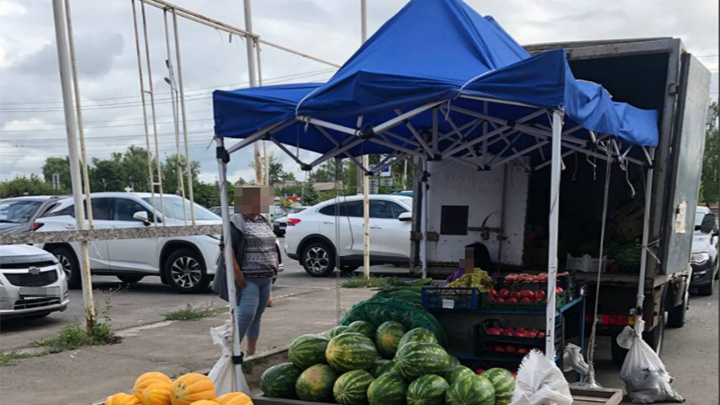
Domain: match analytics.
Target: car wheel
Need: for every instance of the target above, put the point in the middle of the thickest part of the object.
(707, 289)
(318, 259)
(185, 272)
(348, 268)
(129, 278)
(69, 264)
(655, 337)
(676, 316)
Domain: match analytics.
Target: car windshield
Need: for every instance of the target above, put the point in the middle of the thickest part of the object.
(174, 209)
(295, 210)
(17, 212)
(699, 215)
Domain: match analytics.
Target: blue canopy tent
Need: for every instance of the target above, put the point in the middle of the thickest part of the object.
(438, 81)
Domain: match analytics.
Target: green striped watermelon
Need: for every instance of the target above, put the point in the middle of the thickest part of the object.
(457, 373)
(381, 367)
(504, 384)
(316, 383)
(420, 335)
(475, 390)
(388, 389)
(417, 359)
(351, 387)
(351, 351)
(454, 362)
(308, 350)
(387, 338)
(336, 331)
(279, 381)
(429, 389)
(366, 328)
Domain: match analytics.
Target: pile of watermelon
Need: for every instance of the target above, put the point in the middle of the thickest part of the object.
(361, 364)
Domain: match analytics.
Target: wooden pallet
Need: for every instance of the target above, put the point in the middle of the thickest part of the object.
(601, 396)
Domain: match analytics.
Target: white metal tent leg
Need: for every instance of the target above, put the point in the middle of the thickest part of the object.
(232, 292)
(553, 234)
(424, 219)
(644, 252)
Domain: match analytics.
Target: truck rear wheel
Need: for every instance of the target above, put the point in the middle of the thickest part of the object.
(655, 337)
(676, 316)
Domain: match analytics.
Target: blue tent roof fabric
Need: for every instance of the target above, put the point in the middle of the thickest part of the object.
(433, 54)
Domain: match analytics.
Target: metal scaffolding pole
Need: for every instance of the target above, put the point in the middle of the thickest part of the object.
(71, 128)
(252, 73)
(555, 172)
(188, 168)
(366, 163)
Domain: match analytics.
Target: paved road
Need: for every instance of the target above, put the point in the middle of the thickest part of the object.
(146, 302)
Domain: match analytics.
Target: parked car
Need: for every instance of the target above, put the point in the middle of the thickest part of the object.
(311, 234)
(32, 282)
(275, 210)
(280, 224)
(17, 214)
(406, 193)
(186, 263)
(704, 259)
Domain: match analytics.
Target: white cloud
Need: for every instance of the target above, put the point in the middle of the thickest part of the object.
(30, 99)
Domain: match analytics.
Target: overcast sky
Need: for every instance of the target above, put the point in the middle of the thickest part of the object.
(31, 117)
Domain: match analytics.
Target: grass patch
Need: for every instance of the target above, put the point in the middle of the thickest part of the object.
(373, 282)
(11, 358)
(73, 336)
(191, 313)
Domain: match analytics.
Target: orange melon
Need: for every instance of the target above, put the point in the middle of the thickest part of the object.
(191, 387)
(149, 378)
(122, 399)
(234, 398)
(157, 393)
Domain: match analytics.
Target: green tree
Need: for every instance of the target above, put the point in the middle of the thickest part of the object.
(310, 196)
(60, 165)
(709, 185)
(171, 184)
(25, 185)
(108, 174)
(134, 161)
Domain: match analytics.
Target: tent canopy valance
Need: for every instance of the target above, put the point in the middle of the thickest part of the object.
(436, 65)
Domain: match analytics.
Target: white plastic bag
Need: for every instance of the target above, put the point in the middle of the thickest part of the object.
(643, 373)
(574, 360)
(540, 382)
(223, 373)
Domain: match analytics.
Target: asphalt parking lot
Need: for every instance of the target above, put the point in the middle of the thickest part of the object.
(147, 301)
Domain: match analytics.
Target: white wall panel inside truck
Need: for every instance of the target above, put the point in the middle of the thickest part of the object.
(457, 184)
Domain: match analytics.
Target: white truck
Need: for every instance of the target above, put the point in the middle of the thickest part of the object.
(507, 208)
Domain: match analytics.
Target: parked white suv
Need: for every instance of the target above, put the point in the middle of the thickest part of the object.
(186, 263)
(31, 282)
(311, 234)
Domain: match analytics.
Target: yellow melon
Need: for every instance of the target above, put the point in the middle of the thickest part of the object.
(234, 398)
(122, 399)
(191, 387)
(149, 378)
(157, 393)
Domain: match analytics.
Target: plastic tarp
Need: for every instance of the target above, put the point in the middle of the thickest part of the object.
(431, 51)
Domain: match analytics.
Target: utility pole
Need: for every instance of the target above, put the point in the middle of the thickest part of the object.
(366, 164)
(71, 129)
(252, 72)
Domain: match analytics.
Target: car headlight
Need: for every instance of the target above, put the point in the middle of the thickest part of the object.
(700, 258)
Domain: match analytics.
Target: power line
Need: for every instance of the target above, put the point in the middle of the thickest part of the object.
(168, 98)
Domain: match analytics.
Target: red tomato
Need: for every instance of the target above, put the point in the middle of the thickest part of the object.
(559, 290)
(504, 293)
(530, 334)
(499, 300)
(514, 374)
(510, 349)
(479, 371)
(519, 334)
(522, 350)
(512, 300)
(526, 300)
(500, 349)
(539, 294)
(520, 329)
(492, 291)
(541, 335)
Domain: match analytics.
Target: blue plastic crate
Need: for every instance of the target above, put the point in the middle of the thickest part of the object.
(458, 298)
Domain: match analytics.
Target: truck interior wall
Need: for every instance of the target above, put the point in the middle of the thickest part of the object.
(581, 202)
(457, 185)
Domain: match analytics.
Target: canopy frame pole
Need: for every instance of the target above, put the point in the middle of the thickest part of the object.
(415, 134)
(555, 173)
(514, 149)
(328, 125)
(520, 154)
(331, 154)
(400, 118)
(397, 159)
(459, 134)
(287, 152)
(336, 143)
(393, 146)
(424, 219)
(490, 134)
(493, 100)
(640, 299)
(462, 138)
(258, 135)
(406, 141)
(222, 158)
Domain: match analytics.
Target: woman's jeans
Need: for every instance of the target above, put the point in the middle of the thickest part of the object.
(252, 301)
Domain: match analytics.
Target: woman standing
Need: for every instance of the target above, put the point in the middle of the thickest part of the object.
(255, 261)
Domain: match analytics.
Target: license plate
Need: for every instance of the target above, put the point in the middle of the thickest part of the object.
(29, 292)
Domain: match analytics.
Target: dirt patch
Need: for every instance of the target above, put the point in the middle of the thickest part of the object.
(255, 368)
